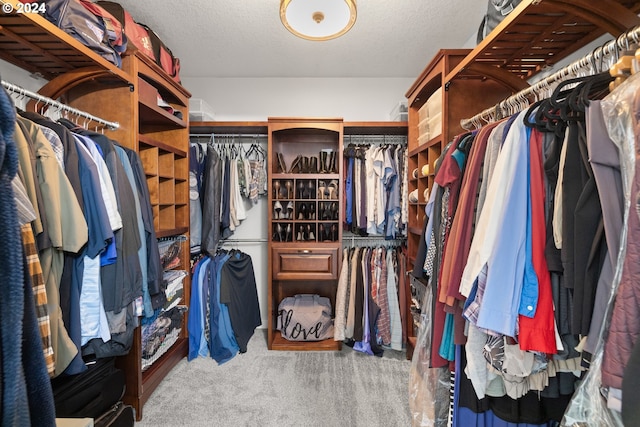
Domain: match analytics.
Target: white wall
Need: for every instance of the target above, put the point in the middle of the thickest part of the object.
(12, 74)
(354, 99)
(249, 99)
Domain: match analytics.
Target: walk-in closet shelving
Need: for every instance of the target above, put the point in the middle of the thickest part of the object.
(86, 81)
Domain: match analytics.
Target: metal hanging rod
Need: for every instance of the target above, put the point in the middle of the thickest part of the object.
(375, 139)
(225, 241)
(228, 136)
(58, 105)
(373, 240)
(591, 63)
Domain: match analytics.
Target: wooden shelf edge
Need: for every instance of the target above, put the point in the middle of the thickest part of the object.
(161, 145)
(162, 115)
(251, 127)
(172, 232)
(281, 344)
(423, 147)
(373, 128)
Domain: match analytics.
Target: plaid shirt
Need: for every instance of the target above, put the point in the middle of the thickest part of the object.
(39, 294)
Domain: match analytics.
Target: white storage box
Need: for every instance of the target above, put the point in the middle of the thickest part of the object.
(423, 128)
(434, 103)
(400, 112)
(200, 111)
(423, 113)
(435, 125)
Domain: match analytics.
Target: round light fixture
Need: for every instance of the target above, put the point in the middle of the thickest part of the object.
(318, 20)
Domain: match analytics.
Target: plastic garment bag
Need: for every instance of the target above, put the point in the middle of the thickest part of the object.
(588, 407)
(428, 387)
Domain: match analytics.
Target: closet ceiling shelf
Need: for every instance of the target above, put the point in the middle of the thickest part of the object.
(594, 62)
(539, 33)
(31, 42)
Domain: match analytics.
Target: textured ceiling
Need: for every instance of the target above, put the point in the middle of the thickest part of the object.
(245, 38)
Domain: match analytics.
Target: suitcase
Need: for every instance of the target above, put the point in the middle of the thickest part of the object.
(145, 39)
(91, 25)
(91, 393)
(137, 34)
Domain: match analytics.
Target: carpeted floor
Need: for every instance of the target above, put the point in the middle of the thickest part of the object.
(276, 388)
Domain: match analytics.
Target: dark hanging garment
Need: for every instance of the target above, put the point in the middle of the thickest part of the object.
(212, 192)
(120, 281)
(238, 291)
(154, 268)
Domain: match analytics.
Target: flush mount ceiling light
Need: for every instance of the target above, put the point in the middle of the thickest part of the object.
(318, 19)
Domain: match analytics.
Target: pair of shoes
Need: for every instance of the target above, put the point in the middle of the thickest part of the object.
(307, 211)
(305, 233)
(327, 233)
(300, 165)
(296, 166)
(328, 160)
(278, 235)
(281, 234)
(328, 211)
(332, 189)
(279, 213)
(281, 167)
(313, 165)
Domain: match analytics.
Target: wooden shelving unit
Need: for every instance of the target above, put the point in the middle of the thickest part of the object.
(304, 249)
(32, 43)
(86, 81)
(457, 102)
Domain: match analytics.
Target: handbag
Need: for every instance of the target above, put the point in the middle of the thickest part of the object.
(305, 317)
(497, 10)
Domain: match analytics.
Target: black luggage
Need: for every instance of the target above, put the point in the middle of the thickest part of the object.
(91, 393)
(120, 415)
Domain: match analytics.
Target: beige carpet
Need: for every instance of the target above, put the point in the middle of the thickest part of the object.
(274, 388)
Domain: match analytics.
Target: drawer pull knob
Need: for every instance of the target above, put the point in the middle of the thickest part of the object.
(304, 251)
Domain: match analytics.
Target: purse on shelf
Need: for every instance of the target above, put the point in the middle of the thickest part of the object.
(305, 317)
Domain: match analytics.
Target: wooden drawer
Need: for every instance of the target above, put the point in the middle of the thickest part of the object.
(305, 263)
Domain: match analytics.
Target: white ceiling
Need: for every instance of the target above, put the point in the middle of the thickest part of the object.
(245, 38)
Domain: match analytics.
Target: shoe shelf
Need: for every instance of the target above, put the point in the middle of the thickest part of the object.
(305, 209)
